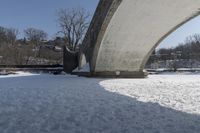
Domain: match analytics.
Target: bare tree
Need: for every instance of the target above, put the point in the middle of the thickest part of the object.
(36, 37)
(2, 34)
(12, 34)
(73, 24)
(8, 35)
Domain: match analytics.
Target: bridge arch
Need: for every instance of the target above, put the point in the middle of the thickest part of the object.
(123, 33)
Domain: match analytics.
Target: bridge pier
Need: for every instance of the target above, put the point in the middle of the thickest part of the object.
(117, 74)
(121, 74)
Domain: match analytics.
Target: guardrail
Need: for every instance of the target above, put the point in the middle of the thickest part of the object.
(55, 69)
(171, 70)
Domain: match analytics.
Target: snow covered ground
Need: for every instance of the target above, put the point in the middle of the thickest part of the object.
(42, 103)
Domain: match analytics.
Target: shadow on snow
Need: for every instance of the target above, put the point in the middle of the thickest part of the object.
(41, 104)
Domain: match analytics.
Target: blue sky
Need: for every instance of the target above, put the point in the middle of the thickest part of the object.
(179, 36)
(41, 14)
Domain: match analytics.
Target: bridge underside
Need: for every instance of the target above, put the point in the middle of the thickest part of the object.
(123, 33)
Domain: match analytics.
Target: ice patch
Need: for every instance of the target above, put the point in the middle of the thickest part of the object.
(18, 74)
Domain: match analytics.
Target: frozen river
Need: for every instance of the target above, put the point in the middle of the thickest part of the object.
(42, 103)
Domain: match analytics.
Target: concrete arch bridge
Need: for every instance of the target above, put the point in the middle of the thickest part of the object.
(123, 34)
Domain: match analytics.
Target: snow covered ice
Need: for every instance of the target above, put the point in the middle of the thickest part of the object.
(42, 103)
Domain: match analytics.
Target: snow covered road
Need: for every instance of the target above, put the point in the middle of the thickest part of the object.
(31, 103)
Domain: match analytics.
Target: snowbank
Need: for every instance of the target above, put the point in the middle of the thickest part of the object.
(85, 68)
(17, 74)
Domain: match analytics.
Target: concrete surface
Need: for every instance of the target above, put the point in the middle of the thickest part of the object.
(131, 30)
